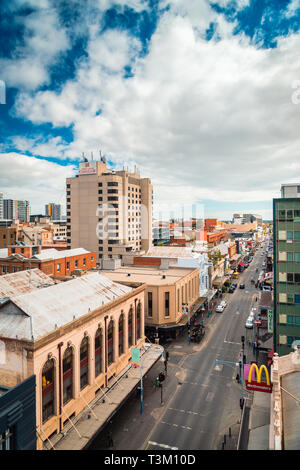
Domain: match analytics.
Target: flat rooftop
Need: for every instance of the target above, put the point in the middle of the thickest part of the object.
(148, 275)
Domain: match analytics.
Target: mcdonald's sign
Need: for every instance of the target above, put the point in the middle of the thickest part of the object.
(257, 384)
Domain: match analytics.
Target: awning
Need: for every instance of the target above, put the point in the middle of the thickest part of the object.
(235, 257)
(219, 281)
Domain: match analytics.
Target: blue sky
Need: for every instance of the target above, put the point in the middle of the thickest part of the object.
(198, 94)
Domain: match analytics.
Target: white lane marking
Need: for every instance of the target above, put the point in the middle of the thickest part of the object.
(164, 446)
(186, 411)
(231, 342)
(176, 425)
(195, 383)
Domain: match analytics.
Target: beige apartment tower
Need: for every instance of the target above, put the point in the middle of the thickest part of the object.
(108, 211)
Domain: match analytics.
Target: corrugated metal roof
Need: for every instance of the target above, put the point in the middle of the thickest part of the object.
(52, 253)
(22, 282)
(170, 252)
(53, 307)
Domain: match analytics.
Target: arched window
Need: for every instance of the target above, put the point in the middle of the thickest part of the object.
(68, 375)
(84, 363)
(98, 352)
(110, 343)
(121, 334)
(130, 328)
(48, 382)
(138, 321)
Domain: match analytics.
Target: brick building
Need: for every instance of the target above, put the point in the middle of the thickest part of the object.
(52, 262)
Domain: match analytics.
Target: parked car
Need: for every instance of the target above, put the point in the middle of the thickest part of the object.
(234, 285)
(267, 289)
(220, 308)
(231, 290)
(224, 303)
(242, 286)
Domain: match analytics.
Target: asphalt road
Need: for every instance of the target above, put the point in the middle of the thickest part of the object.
(208, 397)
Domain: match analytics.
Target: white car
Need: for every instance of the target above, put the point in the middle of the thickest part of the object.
(220, 308)
(249, 322)
(224, 303)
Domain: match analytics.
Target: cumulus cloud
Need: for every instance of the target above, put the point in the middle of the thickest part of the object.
(29, 178)
(204, 119)
(44, 41)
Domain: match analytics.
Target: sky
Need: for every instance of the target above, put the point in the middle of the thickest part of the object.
(202, 95)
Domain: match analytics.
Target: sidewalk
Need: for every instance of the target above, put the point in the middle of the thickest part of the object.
(77, 436)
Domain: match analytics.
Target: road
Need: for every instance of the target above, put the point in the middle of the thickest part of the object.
(208, 397)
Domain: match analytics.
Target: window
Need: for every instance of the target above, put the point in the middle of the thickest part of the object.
(297, 236)
(112, 198)
(68, 265)
(167, 304)
(110, 343)
(138, 321)
(112, 183)
(98, 352)
(84, 363)
(48, 390)
(130, 328)
(67, 375)
(84, 261)
(121, 334)
(7, 439)
(58, 268)
(112, 191)
(76, 263)
(149, 304)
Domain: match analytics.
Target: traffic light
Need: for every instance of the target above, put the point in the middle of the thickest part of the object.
(157, 382)
(161, 377)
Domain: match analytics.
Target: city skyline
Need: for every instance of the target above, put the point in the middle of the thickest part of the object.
(187, 91)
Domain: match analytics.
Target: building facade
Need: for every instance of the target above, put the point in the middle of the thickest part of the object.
(108, 211)
(286, 269)
(53, 211)
(74, 337)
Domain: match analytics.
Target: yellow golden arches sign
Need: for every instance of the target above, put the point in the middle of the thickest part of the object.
(257, 384)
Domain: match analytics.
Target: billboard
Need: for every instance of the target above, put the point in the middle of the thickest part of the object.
(87, 168)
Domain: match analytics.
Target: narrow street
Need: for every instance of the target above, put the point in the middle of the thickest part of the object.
(200, 398)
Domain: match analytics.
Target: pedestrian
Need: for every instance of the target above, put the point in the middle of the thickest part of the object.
(237, 378)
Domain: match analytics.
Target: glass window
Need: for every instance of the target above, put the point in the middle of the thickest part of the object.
(281, 215)
(121, 334)
(297, 321)
(48, 390)
(290, 277)
(297, 299)
(167, 304)
(130, 328)
(297, 257)
(290, 319)
(7, 439)
(290, 298)
(67, 375)
(289, 214)
(150, 304)
(138, 322)
(289, 235)
(290, 257)
(297, 236)
(98, 352)
(110, 343)
(84, 363)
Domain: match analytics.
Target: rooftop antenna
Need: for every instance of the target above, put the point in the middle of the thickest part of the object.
(100, 155)
(92, 156)
(84, 158)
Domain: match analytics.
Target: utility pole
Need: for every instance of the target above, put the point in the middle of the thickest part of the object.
(189, 321)
(142, 390)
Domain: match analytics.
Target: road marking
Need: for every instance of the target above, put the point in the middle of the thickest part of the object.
(164, 446)
(176, 425)
(231, 342)
(188, 412)
(195, 383)
(219, 367)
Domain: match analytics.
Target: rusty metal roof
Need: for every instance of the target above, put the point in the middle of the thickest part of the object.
(33, 315)
(22, 282)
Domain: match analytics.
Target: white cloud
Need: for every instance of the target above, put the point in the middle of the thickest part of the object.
(204, 119)
(44, 40)
(292, 8)
(29, 178)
